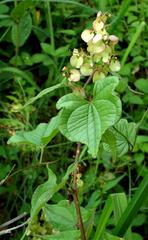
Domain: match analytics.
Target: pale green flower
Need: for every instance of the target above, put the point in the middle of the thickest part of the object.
(98, 25)
(86, 69)
(94, 48)
(98, 76)
(97, 38)
(74, 75)
(114, 66)
(106, 54)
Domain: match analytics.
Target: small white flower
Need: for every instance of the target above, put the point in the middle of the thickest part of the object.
(87, 35)
(74, 75)
(113, 39)
(97, 38)
(115, 66)
(98, 25)
(99, 14)
(76, 61)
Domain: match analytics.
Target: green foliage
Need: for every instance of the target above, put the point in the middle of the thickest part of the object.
(42, 194)
(20, 32)
(85, 121)
(40, 136)
(36, 40)
(120, 138)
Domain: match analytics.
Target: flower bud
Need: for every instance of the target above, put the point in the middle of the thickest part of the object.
(114, 65)
(76, 61)
(113, 39)
(87, 35)
(74, 75)
(99, 14)
(86, 69)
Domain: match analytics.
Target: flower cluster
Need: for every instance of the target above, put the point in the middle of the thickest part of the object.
(99, 58)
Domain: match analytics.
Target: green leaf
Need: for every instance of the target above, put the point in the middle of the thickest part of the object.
(103, 219)
(63, 215)
(51, 130)
(15, 71)
(108, 236)
(47, 48)
(124, 134)
(85, 121)
(121, 12)
(142, 85)
(112, 183)
(21, 8)
(110, 143)
(45, 191)
(44, 92)
(73, 234)
(119, 202)
(42, 135)
(134, 205)
(62, 51)
(42, 194)
(21, 31)
(32, 137)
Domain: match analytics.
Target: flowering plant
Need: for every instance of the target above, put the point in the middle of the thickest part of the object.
(85, 118)
(99, 59)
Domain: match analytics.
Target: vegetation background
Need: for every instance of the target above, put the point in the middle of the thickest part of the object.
(36, 41)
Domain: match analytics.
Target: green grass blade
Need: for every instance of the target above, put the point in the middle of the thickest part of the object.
(119, 202)
(132, 209)
(84, 6)
(103, 219)
(122, 10)
(16, 71)
(132, 43)
(43, 92)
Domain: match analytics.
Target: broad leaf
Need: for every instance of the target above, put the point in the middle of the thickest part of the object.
(42, 135)
(20, 32)
(85, 121)
(124, 136)
(21, 8)
(42, 194)
(62, 216)
(45, 191)
(108, 236)
(142, 85)
(65, 235)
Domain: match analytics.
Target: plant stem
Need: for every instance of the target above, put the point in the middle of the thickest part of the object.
(75, 194)
(41, 154)
(50, 25)
(88, 81)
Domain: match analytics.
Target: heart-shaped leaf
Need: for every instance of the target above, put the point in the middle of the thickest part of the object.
(85, 121)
